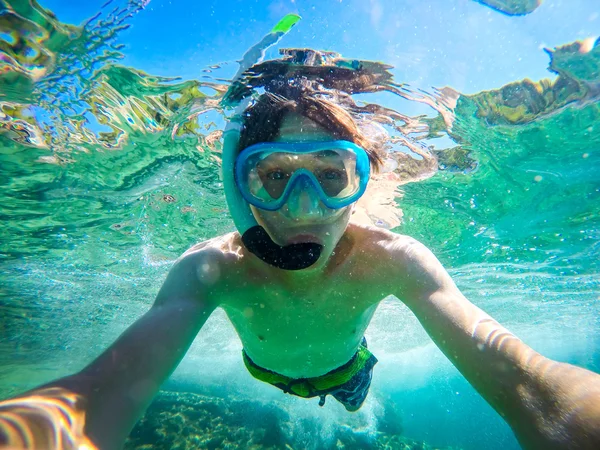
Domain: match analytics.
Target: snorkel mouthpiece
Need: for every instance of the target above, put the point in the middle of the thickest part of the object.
(289, 257)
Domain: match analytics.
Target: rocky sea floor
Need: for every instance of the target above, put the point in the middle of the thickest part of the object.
(186, 421)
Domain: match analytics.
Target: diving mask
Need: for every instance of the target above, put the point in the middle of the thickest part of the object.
(267, 173)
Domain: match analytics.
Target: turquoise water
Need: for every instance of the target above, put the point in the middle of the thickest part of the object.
(109, 173)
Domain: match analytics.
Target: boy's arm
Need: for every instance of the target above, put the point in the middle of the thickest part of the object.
(548, 404)
(116, 388)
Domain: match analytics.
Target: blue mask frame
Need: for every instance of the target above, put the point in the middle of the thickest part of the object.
(363, 168)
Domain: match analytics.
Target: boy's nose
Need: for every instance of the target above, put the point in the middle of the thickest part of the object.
(303, 201)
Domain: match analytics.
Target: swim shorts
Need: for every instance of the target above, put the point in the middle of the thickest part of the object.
(348, 384)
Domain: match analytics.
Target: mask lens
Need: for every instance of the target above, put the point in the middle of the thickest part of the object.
(333, 170)
(275, 171)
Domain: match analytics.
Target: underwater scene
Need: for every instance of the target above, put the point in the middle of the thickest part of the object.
(112, 119)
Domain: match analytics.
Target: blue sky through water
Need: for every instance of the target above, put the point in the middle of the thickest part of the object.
(457, 43)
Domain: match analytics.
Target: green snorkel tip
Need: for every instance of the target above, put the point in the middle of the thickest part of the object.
(286, 24)
(256, 54)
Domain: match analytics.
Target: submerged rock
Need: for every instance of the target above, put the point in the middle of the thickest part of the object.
(181, 421)
(187, 421)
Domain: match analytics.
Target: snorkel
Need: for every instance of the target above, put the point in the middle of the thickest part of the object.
(254, 237)
(324, 68)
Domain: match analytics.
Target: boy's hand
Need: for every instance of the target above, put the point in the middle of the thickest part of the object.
(51, 418)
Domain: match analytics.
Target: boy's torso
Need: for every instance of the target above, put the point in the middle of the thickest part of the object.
(303, 326)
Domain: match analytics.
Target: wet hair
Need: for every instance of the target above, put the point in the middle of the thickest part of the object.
(262, 121)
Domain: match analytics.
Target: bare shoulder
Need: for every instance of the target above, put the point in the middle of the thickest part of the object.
(198, 273)
(386, 244)
(211, 260)
(223, 248)
(404, 263)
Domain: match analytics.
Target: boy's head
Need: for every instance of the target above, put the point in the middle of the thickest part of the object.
(306, 119)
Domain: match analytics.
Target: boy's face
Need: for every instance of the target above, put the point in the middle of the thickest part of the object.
(304, 218)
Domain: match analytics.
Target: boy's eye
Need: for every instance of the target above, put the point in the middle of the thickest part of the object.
(331, 175)
(277, 175)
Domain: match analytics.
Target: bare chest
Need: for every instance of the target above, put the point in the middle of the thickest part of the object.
(286, 329)
(314, 304)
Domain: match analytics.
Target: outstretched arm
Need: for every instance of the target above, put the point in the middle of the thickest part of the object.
(115, 389)
(548, 404)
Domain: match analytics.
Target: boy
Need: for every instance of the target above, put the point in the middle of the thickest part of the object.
(300, 285)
